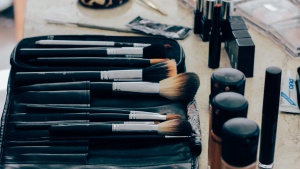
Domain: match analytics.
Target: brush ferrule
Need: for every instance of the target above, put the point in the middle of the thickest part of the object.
(136, 87)
(134, 128)
(147, 117)
(142, 112)
(139, 122)
(141, 44)
(177, 136)
(125, 51)
(122, 75)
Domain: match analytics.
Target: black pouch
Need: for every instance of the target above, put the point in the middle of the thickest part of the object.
(32, 106)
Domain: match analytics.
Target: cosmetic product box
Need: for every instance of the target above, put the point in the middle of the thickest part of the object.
(262, 14)
(25, 139)
(287, 35)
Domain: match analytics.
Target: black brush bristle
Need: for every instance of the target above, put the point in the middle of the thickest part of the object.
(175, 127)
(160, 71)
(155, 51)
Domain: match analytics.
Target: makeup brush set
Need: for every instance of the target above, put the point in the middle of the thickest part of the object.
(100, 101)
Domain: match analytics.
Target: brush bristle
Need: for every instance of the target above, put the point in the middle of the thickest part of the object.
(160, 71)
(181, 87)
(155, 61)
(155, 51)
(175, 127)
(173, 116)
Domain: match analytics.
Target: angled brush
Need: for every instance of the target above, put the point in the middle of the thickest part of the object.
(153, 73)
(170, 127)
(148, 52)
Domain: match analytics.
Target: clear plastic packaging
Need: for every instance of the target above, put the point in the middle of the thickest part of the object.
(263, 13)
(287, 34)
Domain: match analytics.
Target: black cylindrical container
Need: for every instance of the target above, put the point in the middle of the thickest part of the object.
(239, 144)
(269, 117)
(225, 80)
(224, 106)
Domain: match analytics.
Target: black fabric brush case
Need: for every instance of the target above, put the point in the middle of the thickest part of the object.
(29, 111)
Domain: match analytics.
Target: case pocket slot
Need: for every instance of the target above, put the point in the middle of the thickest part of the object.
(47, 158)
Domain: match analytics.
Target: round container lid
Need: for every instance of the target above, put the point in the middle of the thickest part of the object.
(228, 76)
(225, 106)
(240, 142)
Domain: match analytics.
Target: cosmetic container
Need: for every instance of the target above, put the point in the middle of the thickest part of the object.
(224, 106)
(226, 80)
(239, 144)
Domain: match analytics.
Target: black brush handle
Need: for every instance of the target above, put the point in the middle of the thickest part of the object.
(92, 61)
(108, 117)
(29, 117)
(67, 52)
(65, 149)
(47, 143)
(101, 88)
(39, 108)
(24, 78)
(81, 129)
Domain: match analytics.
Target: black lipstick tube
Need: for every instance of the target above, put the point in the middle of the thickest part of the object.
(198, 16)
(215, 39)
(269, 117)
(206, 21)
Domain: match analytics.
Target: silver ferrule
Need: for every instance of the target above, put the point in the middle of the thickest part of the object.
(118, 75)
(142, 112)
(139, 122)
(225, 9)
(134, 128)
(74, 42)
(177, 136)
(265, 166)
(134, 56)
(147, 117)
(125, 51)
(141, 44)
(201, 5)
(136, 87)
(209, 9)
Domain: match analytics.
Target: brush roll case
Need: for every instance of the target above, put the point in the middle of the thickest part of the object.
(31, 108)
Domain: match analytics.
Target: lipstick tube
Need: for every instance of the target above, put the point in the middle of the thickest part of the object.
(239, 144)
(215, 39)
(198, 16)
(224, 106)
(206, 22)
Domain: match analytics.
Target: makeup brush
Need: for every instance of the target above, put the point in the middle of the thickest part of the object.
(38, 108)
(91, 117)
(148, 52)
(170, 127)
(180, 87)
(95, 61)
(88, 43)
(153, 73)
